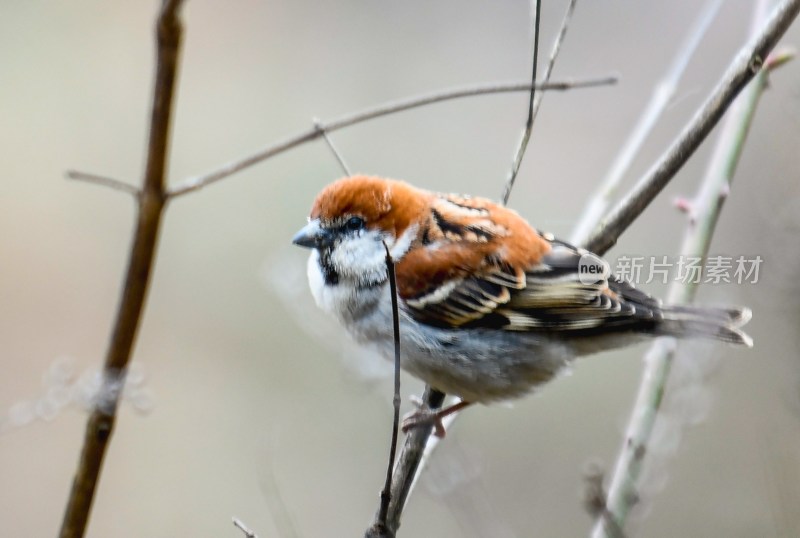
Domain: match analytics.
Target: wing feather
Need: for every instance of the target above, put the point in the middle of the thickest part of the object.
(551, 296)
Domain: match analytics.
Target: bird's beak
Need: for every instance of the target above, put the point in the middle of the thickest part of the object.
(312, 235)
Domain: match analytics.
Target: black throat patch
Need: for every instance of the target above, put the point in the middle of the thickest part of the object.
(328, 271)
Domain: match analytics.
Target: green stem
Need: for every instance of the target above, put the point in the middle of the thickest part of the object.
(705, 211)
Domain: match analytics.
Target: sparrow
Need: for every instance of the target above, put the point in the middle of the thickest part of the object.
(490, 308)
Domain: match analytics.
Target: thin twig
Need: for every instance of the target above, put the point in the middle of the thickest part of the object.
(706, 209)
(151, 202)
(551, 62)
(242, 527)
(334, 150)
(419, 445)
(662, 94)
(536, 101)
(526, 131)
(394, 107)
(744, 67)
(105, 181)
(409, 460)
(379, 527)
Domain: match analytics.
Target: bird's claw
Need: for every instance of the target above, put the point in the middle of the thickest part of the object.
(423, 416)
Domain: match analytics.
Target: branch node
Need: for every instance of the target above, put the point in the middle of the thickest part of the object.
(756, 63)
(322, 130)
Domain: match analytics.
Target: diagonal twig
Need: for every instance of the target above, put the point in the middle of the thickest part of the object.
(526, 131)
(337, 155)
(536, 102)
(551, 61)
(150, 207)
(744, 67)
(394, 107)
(419, 445)
(662, 94)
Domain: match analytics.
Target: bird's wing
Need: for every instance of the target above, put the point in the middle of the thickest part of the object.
(481, 265)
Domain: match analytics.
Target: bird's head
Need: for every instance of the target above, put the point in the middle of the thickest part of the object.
(352, 219)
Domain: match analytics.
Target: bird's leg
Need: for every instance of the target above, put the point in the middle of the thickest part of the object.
(425, 416)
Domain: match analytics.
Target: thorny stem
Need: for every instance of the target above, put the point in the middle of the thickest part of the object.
(662, 94)
(705, 211)
(745, 66)
(150, 206)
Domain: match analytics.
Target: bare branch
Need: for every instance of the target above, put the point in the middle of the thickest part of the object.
(419, 445)
(334, 150)
(109, 182)
(526, 131)
(380, 527)
(745, 66)
(151, 202)
(551, 62)
(537, 99)
(394, 107)
(662, 93)
(705, 209)
(408, 462)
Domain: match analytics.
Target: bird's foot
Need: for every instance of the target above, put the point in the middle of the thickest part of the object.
(425, 416)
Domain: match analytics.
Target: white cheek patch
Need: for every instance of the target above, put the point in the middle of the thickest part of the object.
(361, 258)
(316, 280)
(331, 299)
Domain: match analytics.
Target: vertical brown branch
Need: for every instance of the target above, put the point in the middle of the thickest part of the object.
(151, 202)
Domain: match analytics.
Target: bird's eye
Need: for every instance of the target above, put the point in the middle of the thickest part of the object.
(354, 224)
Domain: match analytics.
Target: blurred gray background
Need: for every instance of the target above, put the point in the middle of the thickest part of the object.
(241, 411)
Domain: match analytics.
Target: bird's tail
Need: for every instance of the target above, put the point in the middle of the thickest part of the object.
(717, 323)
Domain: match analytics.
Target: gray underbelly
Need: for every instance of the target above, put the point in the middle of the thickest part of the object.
(480, 366)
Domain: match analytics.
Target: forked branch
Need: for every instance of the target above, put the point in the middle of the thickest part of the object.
(705, 210)
(394, 107)
(746, 65)
(150, 205)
